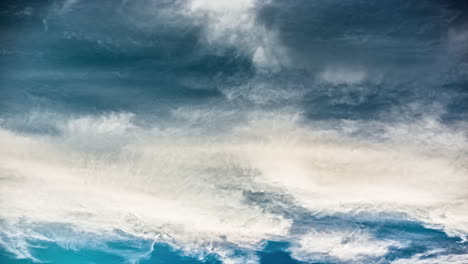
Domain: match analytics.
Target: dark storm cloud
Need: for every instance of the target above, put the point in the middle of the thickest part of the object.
(85, 56)
(399, 33)
(346, 59)
(374, 56)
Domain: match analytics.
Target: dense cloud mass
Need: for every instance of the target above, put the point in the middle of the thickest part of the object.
(247, 131)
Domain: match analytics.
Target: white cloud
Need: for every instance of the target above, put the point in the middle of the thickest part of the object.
(234, 23)
(186, 182)
(343, 75)
(426, 258)
(148, 185)
(346, 246)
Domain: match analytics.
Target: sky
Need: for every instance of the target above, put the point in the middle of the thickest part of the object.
(247, 131)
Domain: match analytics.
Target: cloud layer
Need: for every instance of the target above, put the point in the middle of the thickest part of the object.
(220, 127)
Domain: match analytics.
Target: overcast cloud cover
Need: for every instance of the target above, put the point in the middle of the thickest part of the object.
(247, 131)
